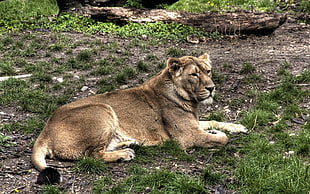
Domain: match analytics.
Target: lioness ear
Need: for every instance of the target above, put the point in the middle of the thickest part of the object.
(175, 67)
(205, 57)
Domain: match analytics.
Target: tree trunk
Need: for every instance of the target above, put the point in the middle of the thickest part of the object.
(70, 6)
(226, 23)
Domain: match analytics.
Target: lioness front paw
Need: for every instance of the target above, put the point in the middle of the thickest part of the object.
(236, 128)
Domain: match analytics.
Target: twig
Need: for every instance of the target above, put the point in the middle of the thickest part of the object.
(254, 125)
(234, 139)
(302, 84)
(209, 157)
(16, 76)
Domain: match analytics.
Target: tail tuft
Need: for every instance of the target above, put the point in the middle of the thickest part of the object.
(49, 176)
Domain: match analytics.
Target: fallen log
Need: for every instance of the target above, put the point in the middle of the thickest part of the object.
(225, 23)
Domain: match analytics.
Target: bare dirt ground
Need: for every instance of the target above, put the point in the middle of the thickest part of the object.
(288, 44)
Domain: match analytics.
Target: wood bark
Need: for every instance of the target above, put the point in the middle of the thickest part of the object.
(70, 6)
(225, 23)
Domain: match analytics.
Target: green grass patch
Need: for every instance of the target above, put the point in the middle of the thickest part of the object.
(303, 77)
(5, 141)
(6, 69)
(143, 66)
(65, 22)
(32, 15)
(301, 142)
(236, 102)
(161, 30)
(50, 189)
(174, 52)
(106, 85)
(90, 165)
(170, 148)
(102, 70)
(156, 181)
(102, 185)
(252, 78)
(136, 170)
(218, 78)
(268, 168)
(124, 74)
(199, 6)
(37, 15)
(20, 93)
(274, 158)
(256, 119)
(20, 9)
(211, 178)
(216, 116)
(304, 6)
(247, 68)
(29, 126)
(31, 100)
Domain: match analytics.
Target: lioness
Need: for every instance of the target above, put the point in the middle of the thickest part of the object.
(104, 126)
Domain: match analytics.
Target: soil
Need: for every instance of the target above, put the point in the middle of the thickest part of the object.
(289, 44)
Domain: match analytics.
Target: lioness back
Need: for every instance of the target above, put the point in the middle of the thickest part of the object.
(138, 111)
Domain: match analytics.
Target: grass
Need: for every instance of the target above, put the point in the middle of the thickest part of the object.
(174, 52)
(14, 9)
(90, 166)
(28, 15)
(5, 141)
(171, 148)
(272, 170)
(49, 189)
(266, 154)
(156, 181)
(247, 68)
(217, 116)
(35, 18)
(199, 6)
(305, 6)
(124, 74)
(143, 66)
(211, 178)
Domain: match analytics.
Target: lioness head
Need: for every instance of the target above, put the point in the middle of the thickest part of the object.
(192, 78)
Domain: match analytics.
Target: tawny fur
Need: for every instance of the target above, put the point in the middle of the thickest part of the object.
(165, 107)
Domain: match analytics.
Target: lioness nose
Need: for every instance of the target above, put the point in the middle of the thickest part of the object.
(210, 89)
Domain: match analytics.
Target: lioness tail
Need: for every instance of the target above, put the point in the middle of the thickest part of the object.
(47, 175)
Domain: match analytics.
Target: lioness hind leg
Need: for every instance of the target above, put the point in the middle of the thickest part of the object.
(120, 141)
(230, 127)
(113, 156)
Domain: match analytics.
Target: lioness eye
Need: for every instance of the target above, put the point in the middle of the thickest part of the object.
(208, 71)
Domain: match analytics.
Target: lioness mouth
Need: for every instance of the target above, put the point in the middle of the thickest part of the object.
(208, 100)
